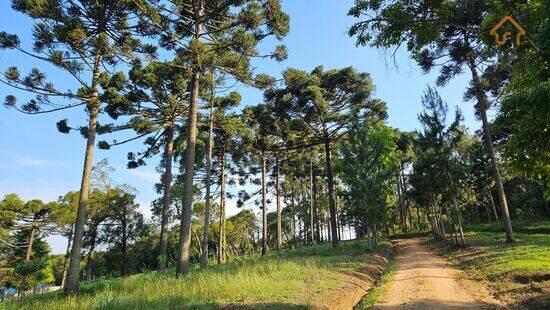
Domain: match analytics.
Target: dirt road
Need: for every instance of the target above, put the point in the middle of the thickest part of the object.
(425, 281)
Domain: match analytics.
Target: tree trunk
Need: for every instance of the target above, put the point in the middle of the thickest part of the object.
(184, 243)
(28, 253)
(221, 232)
(264, 207)
(73, 274)
(331, 202)
(124, 243)
(315, 208)
(483, 105)
(494, 208)
(204, 248)
(166, 199)
(278, 201)
(91, 254)
(312, 203)
(293, 198)
(66, 258)
(455, 206)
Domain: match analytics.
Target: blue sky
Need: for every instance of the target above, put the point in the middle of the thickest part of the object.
(36, 161)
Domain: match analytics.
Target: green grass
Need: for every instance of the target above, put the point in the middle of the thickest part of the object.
(374, 295)
(515, 272)
(531, 253)
(519, 226)
(281, 280)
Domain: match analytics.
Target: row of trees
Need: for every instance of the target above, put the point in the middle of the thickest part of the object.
(318, 145)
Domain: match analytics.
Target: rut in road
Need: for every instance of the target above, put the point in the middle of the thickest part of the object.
(425, 281)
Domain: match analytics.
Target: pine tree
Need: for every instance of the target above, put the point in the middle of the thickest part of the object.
(213, 34)
(452, 36)
(81, 38)
(156, 98)
(324, 102)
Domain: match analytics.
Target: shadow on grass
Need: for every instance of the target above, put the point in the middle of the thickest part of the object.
(488, 258)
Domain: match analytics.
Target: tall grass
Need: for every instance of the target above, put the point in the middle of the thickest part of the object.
(285, 278)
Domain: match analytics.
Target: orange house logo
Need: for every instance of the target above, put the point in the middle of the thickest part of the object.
(502, 36)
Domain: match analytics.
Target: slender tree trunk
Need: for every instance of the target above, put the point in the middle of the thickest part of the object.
(73, 274)
(494, 208)
(338, 226)
(264, 207)
(30, 243)
(91, 254)
(315, 208)
(293, 198)
(184, 243)
(204, 249)
(221, 241)
(66, 258)
(418, 219)
(455, 206)
(312, 203)
(166, 199)
(483, 105)
(331, 202)
(124, 243)
(278, 201)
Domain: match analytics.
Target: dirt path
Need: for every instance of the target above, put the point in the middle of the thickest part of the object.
(425, 281)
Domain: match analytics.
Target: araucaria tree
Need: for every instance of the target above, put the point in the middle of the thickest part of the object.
(223, 35)
(82, 38)
(156, 97)
(325, 102)
(450, 35)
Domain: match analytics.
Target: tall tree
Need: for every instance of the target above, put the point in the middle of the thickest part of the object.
(81, 38)
(325, 101)
(214, 34)
(452, 36)
(155, 96)
(367, 168)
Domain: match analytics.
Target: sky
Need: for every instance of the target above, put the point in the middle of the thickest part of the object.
(38, 162)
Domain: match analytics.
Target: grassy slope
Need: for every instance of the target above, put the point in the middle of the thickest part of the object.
(292, 277)
(375, 294)
(515, 273)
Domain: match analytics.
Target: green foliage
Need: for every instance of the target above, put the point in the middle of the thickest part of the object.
(34, 272)
(524, 112)
(368, 167)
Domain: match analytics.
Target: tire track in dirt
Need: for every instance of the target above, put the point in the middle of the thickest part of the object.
(425, 281)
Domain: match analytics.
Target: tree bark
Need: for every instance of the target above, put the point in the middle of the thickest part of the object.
(30, 243)
(184, 243)
(331, 202)
(312, 203)
(264, 208)
(315, 208)
(124, 242)
(221, 231)
(204, 249)
(73, 274)
(91, 254)
(66, 259)
(494, 208)
(278, 201)
(483, 105)
(166, 199)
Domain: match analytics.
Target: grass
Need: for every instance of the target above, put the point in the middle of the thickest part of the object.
(517, 272)
(291, 278)
(374, 295)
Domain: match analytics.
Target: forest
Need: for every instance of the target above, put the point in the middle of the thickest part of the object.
(323, 184)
